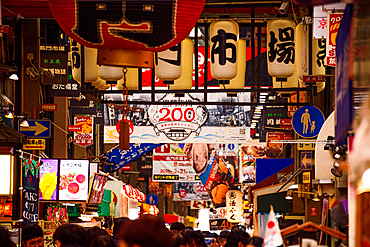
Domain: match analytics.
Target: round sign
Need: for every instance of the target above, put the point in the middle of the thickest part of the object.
(182, 193)
(307, 121)
(129, 122)
(151, 199)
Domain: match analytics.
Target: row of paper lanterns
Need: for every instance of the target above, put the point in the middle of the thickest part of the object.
(228, 59)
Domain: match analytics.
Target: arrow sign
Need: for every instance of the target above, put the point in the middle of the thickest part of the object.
(39, 128)
(306, 161)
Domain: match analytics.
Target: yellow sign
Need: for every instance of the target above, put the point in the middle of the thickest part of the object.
(34, 144)
(306, 146)
(245, 205)
(306, 177)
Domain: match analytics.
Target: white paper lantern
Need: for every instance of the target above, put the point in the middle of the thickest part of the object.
(318, 60)
(110, 73)
(168, 64)
(281, 48)
(301, 48)
(238, 81)
(223, 46)
(91, 67)
(234, 206)
(132, 80)
(292, 82)
(186, 79)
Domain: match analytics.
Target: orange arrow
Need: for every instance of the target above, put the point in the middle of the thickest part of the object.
(38, 128)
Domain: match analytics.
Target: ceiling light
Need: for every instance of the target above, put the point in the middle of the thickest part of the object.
(289, 195)
(259, 107)
(264, 94)
(262, 100)
(14, 77)
(9, 115)
(254, 121)
(24, 123)
(256, 117)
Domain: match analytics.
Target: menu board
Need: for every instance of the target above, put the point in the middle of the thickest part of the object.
(97, 189)
(5, 174)
(73, 180)
(48, 180)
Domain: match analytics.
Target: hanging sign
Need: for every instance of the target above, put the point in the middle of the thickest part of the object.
(234, 206)
(120, 158)
(54, 64)
(171, 164)
(320, 14)
(85, 137)
(30, 194)
(274, 150)
(34, 144)
(333, 27)
(190, 191)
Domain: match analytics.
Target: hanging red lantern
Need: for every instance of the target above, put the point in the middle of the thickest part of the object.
(141, 27)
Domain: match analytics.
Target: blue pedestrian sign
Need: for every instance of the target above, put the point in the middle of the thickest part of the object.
(151, 199)
(38, 128)
(307, 121)
(306, 161)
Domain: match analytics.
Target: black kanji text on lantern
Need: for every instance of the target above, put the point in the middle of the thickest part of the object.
(221, 40)
(285, 48)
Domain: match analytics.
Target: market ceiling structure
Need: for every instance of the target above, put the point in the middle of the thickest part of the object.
(253, 14)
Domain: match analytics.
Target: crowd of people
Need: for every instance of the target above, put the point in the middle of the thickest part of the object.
(148, 231)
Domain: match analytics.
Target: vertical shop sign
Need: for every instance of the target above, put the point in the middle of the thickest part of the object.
(54, 64)
(234, 206)
(30, 193)
(84, 137)
(333, 27)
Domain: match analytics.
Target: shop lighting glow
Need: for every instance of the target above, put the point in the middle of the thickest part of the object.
(366, 177)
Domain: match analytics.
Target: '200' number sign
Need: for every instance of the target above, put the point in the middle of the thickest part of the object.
(177, 114)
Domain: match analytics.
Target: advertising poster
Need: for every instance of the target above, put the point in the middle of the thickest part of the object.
(193, 123)
(73, 180)
(248, 156)
(48, 179)
(331, 40)
(170, 164)
(97, 189)
(274, 150)
(5, 174)
(218, 220)
(85, 137)
(190, 191)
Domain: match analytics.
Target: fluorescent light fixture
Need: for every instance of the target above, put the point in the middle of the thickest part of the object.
(254, 121)
(256, 117)
(264, 94)
(259, 107)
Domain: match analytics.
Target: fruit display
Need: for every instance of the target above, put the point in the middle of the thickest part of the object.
(48, 184)
(65, 180)
(72, 185)
(73, 190)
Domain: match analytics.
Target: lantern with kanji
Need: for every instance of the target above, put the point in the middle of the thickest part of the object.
(91, 67)
(127, 32)
(301, 48)
(281, 48)
(318, 60)
(168, 64)
(186, 79)
(239, 80)
(234, 206)
(223, 43)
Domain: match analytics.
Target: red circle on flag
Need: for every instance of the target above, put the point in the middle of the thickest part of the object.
(270, 224)
(129, 122)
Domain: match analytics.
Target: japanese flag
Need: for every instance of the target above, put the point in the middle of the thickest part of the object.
(272, 233)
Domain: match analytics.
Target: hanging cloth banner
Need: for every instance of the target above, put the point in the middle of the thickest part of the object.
(30, 195)
(120, 158)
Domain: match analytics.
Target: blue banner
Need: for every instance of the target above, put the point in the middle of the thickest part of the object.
(120, 158)
(343, 86)
(265, 168)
